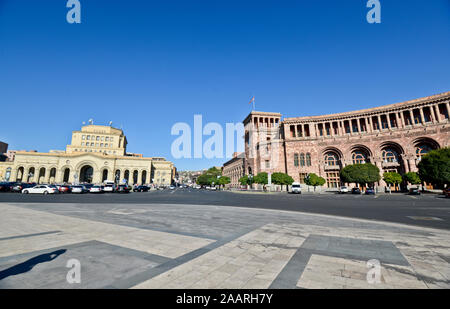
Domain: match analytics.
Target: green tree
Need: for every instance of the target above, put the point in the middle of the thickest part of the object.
(244, 180)
(209, 177)
(223, 180)
(314, 180)
(361, 174)
(412, 178)
(282, 179)
(392, 178)
(262, 178)
(434, 167)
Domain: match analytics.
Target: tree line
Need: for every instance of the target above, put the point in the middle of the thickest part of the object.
(434, 168)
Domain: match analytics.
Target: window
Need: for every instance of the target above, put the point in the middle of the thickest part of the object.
(98, 138)
(96, 144)
(390, 155)
(82, 144)
(101, 144)
(106, 144)
(92, 144)
(302, 159)
(110, 139)
(359, 157)
(422, 150)
(267, 164)
(83, 137)
(296, 159)
(331, 159)
(308, 159)
(106, 138)
(103, 138)
(88, 137)
(333, 180)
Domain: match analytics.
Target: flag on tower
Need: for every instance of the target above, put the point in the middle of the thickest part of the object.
(252, 101)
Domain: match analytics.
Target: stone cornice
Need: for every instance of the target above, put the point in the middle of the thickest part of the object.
(372, 111)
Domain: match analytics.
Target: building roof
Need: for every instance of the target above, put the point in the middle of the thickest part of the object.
(410, 103)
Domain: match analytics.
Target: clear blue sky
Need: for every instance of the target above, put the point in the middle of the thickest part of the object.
(148, 64)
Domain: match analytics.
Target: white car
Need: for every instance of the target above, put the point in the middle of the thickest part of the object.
(96, 189)
(343, 189)
(78, 189)
(41, 189)
(108, 188)
(296, 188)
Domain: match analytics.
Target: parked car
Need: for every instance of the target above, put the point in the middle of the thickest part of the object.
(41, 189)
(296, 188)
(141, 189)
(96, 189)
(20, 186)
(356, 191)
(343, 189)
(122, 189)
(370, 191)
(108, 188)
(447, 192)
(6, 186)
(78, 189)
(63, 188)
(414, 191)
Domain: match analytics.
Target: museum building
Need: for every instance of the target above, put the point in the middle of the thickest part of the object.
(96, 154)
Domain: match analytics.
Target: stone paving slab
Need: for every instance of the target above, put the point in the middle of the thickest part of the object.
(261, 249)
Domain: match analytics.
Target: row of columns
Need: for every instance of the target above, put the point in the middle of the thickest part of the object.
(58, 176)
(400, 121)
(235, 174)
(266, 121)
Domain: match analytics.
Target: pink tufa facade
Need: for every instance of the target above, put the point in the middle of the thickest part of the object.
(393, 137)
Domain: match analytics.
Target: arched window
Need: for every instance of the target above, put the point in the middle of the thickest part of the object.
(308, 159)
(331, 159)
(422, 149)
(390, 155)
(302, 159)
(359, 157)
(296, 159)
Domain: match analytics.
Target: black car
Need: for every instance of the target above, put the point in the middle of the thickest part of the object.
(122, 189)
(141, 189)
(356, 191)
(6, 186)
(370, 191)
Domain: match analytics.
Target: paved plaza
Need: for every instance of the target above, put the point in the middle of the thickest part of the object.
(136, 245)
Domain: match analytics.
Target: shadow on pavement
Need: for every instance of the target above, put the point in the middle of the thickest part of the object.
(29, 264)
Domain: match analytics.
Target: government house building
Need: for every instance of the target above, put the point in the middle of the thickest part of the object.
(96, 154)
(392, 137)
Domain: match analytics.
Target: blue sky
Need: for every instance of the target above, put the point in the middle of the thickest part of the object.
(146, 65)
